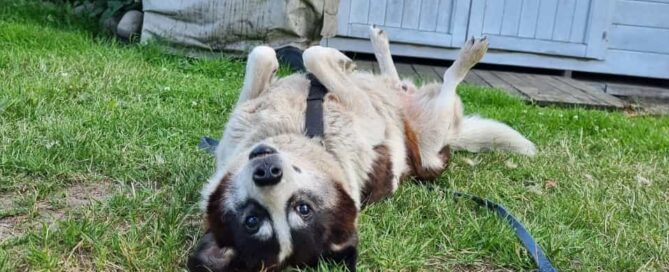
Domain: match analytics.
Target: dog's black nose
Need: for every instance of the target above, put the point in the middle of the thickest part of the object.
(267, 171)
(266, 165)
(261, 150)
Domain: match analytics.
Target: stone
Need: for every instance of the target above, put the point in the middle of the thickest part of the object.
(83, 9)
(110, 24)
(130, 24)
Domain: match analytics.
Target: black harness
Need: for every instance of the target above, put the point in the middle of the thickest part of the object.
(313, 121)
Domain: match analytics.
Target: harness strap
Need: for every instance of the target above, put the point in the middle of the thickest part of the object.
(313, 123)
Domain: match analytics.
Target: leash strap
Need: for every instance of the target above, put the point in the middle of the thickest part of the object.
(313, 123)
(208, 144)
(525, 237)
(532, 247)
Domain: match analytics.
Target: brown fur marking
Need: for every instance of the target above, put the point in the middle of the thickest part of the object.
(413, 156)
(343, 227)
(379, 182)
(413, 150)
(215, 214)
(445, 154)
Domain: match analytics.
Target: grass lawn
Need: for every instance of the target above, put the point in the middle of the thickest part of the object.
(99, 168)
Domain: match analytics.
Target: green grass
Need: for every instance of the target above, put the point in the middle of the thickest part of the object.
(80, 110)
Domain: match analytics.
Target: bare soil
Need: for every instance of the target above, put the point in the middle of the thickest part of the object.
(76, 196)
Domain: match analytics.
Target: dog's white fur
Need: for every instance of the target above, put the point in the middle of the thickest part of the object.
(361, 111)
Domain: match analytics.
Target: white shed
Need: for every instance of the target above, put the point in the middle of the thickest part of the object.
(623, 37)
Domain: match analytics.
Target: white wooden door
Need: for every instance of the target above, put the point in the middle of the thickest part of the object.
(575, 28)
(441, 23)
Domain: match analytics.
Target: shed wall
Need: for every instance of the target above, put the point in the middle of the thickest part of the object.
(632, 36)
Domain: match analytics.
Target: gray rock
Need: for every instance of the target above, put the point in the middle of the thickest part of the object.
(110, 24)
(83, 9)
(130, 24)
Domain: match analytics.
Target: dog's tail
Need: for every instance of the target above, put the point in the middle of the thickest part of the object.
(478, 134)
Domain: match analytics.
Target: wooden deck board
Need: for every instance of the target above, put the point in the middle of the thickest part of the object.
(406, 71)
(587, 95)
(440, 70)
(426, 73)
(567, 93)
(545, 89)
(635, 90)
(527, 85)
(610, 99)
(474, 79)
(495, 81)
(366, 65)
(540, 89)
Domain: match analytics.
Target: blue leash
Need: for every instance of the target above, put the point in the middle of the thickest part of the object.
(208, 144)
(544, 265)
(525, 237)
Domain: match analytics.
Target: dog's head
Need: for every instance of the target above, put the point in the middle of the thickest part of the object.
(279, 203)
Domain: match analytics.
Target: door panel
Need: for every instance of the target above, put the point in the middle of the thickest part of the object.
(426, 22)
(575, 28)
(572, 28)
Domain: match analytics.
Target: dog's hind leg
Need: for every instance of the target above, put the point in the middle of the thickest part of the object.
(473, 133)
(261, 68)
(381, 47)
(435, 112)
(470, 54)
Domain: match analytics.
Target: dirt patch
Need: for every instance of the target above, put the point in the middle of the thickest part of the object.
(79, 260)
(71, 198)
(6, 202)
(443, 263)
(9, 226)
(478, 268)
(83, 194)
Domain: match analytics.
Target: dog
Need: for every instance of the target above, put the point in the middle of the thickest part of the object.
(279, 198)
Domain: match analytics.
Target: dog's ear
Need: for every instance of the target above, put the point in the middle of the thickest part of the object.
(347, 255)
(208, 256)
(342, 240)
(216, 215)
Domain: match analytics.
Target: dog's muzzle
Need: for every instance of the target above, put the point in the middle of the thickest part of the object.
(266, 166)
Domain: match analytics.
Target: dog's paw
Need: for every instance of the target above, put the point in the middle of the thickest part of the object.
(377, 35)
(473, 51)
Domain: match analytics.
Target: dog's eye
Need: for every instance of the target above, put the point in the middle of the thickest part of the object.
(252, 223)
(303, 209)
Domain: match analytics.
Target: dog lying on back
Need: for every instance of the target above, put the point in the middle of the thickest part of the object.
(279, 198)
